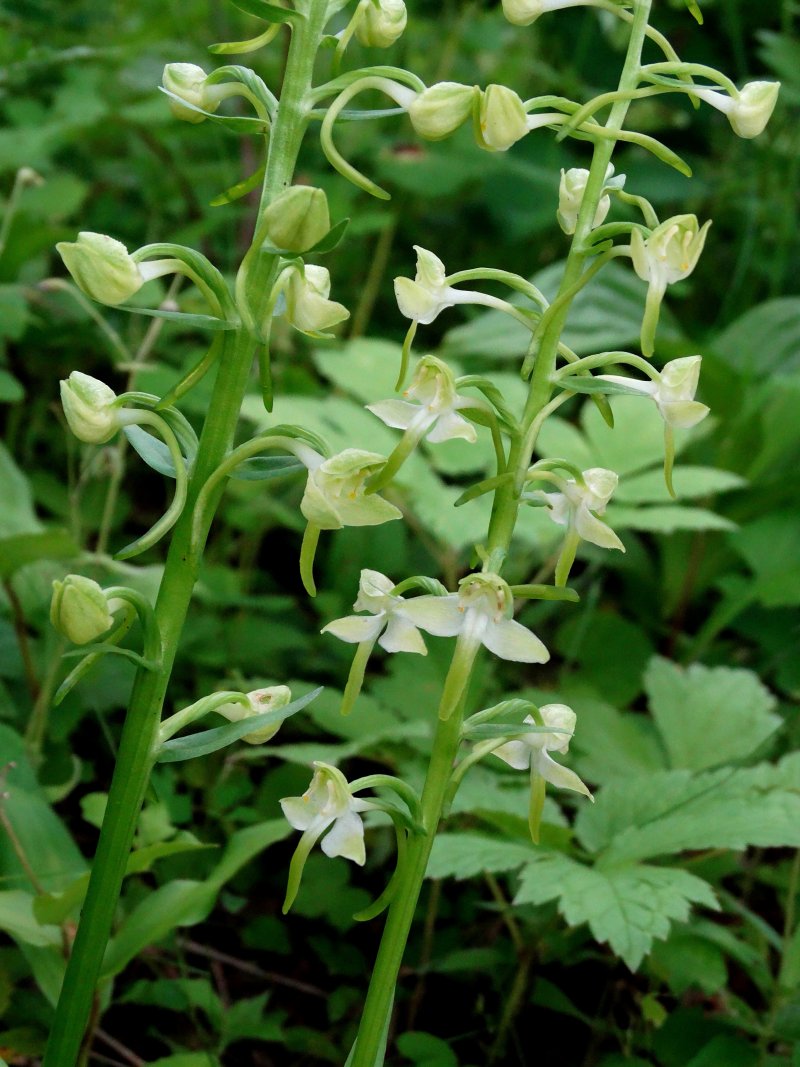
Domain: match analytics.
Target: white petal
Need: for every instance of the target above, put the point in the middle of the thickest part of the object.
(402, 636)
(356, 628)
(559, 776)
(395, 413)
(646, 388)
(515, 753)
(450, 426)
(511, 640)
(437, 615)
(683, 413)
(591, 529)
(301, 814)
(346, 838)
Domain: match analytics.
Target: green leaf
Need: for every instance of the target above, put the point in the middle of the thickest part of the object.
(11, 389)
(17, 515)
(268, 12)
(709, 716)
(152, 450)
(610, 744)
(425, 1050)
(183, 318)
(207, 741)
(18, 920)
(463, 855)
(674, 811)
(19, 550)
(649, 488)
(667, 519)
(765, 341)
(627, 907)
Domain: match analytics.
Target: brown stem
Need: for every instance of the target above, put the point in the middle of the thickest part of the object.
(21, 632)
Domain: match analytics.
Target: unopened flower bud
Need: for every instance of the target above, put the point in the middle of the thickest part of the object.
(297, 219)
(441, 109)
(188, 81)
(79, 609)
(570, 198)
(749, 111)
(381, 23)
(524, 12)
(89, 408)
(308, 307)
(102, 267)
(259, 701)
(503, 120)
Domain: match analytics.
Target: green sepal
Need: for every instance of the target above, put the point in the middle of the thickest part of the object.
(515, 706)
(234, 123)
(432, 586)
(511, 731)
(240, 189)
(492, 394)
(544, 592)
(695, 11)
(207, 741)
(267, 12)
(331, 239)
(261, 468)
(485, 486)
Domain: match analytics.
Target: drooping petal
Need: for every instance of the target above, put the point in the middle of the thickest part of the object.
(402, 636)
(301, 814)
(367, 510)
(559, 776)
(515, 753)
(512, 641)
(437, 615)
(591, 529)
(346, 838)
(450, 426)
(356, 628)
(683, 414)
(395, 413)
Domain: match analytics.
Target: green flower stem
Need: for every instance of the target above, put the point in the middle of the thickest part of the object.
(183, 561)
(504, 515)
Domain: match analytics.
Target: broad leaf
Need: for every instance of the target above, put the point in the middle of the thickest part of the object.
(464, 855)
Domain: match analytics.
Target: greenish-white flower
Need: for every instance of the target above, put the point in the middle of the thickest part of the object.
(308, 308)
(298, 219)
(749, 110)
(89, 407)
(533, 750)
(188, 81)
(434, 412)
(392, 621)
(480, 614)
(579, 503)
(381, 23)
(570, 198)
(673, 391)
(524, 12)
(440, 109)
(328, 803)
(335, 491)
(79, 609)
(668, 255)
(259, 701)
(103, 268)
(424, 298)
(502, 119)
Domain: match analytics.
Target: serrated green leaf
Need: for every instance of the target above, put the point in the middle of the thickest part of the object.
(626, 907)
(16, 552)
(666, 519)
(709, 716)
(674, 811)
(691, 482)
(464, 855)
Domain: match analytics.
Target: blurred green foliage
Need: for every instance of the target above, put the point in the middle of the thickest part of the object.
(696, 789)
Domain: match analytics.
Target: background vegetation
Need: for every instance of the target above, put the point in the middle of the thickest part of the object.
(681, 659)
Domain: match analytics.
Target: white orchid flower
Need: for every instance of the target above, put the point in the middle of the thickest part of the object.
(327, 803)
(749, 110)
(532, 752)
(422, 299)
(502, 120)
(392, 621)
(308, 308)
(668, 255)
(335, 496)
(570, 198)
(434, 415)
(673, 391)
(479, 614)
(577, 506)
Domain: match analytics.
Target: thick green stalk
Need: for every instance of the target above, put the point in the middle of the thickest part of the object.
(134, 761)
(504, 517)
